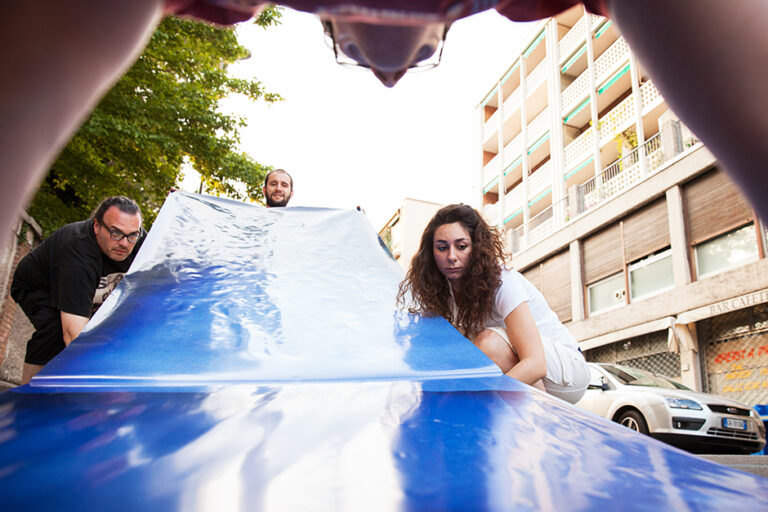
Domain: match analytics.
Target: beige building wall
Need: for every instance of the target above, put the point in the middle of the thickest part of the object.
(402, 233)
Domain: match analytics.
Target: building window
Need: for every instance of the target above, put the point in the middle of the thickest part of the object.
(651, 275)
(726, 251)
(606, 294)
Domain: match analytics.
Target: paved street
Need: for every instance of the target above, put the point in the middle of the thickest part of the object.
(756, 464)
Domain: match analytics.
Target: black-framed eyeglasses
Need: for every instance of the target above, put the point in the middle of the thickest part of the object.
(344, 60)
(117, 235)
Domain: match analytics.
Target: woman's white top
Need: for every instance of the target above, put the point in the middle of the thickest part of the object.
(516, 289)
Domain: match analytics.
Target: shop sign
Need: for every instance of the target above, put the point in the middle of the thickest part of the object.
(735, 369)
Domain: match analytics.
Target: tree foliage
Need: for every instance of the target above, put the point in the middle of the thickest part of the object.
(163, 113)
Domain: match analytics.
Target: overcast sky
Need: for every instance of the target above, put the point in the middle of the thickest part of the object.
(347, 140)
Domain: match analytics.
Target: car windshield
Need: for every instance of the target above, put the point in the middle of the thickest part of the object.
(638, 377)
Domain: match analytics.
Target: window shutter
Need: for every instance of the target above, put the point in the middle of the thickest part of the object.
(602, 254)
(646, 230)
(713, 205)
(533, 274)
(556, 284)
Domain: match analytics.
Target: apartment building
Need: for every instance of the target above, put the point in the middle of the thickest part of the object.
(623, 219)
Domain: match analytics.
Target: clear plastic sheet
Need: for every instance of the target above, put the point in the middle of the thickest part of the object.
(254, 359)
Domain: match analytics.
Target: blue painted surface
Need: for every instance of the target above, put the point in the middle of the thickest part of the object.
(254, 359)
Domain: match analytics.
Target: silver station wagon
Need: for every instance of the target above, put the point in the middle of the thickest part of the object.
(667, 410)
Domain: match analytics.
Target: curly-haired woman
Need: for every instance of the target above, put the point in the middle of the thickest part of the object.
(458, 272)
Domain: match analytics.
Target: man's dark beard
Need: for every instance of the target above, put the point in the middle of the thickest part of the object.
(272, 204)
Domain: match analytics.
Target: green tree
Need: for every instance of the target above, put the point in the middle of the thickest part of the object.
(162, 113)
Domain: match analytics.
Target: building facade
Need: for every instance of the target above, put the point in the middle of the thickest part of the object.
(623, 219)
(402, 232)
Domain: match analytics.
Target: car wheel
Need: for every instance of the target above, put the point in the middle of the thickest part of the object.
(633, 420)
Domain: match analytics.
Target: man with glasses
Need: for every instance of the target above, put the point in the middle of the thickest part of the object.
(61, 283)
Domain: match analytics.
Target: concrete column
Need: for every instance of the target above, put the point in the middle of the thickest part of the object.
(671, 136)
(634, 71)
(557, 156)
(502, 163)
(681, 262)
(524, 131)
(690, 364)
(593, 94)
(577, 282)
(574, 201)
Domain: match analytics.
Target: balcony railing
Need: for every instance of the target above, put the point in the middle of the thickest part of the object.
(536, 77)
(620, 175)
(650, 96)
(547, 221)
(513, 201)
(573, 38)
(540, 180)
(492, 123)
(621, 117)
(617, 177)
(512, 103)
(513, 149)
(491, 213)
(607, 63)
(611, 59)
(579, 148)
(539, 226)
(576, 92)
(490, 171)
(539, 126)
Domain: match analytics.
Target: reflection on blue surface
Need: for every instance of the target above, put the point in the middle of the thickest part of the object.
(253, 360)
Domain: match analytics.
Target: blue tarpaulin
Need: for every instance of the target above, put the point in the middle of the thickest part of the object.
(254, 359)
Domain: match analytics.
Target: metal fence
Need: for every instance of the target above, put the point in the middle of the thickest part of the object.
(648, 352)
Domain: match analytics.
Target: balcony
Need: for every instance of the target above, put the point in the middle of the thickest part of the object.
(579, 148)
(536, 77)
(513, 201)
(616, 55)
(513, 149)
(539, 227)
(540, 180)
(576, 93)
(492, 123)
(621, 174)
(621, 117)
(491, 213)
(571, 41)
(547, 221)
(611, 59)
(538, 127)
(650, 96)
(512, 103)
(490, 171)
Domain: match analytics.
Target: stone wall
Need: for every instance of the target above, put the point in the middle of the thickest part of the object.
(15, 329)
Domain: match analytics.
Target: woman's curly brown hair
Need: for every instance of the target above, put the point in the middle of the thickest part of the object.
(430, 290)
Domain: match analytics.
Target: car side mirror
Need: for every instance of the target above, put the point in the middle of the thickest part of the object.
(601, 384)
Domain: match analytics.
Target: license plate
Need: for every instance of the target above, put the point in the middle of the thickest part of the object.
(734, 424)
